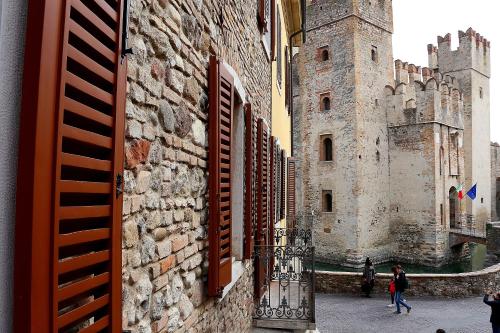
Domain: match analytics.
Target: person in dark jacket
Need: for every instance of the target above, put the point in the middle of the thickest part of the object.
(495, 310)
(401, 285)
(368, 277)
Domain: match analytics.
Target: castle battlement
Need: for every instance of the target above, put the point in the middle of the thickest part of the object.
(473, 52)
(422, 95)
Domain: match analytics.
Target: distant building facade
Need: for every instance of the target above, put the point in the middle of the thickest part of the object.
(382, 146)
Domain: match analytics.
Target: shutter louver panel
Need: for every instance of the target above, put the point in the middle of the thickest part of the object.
(68, 219)
(262, 237)
(221, 102)
(87, 232)
(282, 184)
(250, 180)
(263, 183)
(272, 185)
(291, 193)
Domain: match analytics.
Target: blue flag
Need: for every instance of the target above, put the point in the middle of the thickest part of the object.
(472, 192)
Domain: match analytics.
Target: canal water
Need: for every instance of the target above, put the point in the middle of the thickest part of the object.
(475, 263)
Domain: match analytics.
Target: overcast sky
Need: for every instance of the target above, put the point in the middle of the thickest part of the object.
(418, 23)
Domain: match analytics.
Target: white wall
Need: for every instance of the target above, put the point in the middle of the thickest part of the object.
(12, 32)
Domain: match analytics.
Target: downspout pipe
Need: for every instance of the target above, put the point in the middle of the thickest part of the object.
(290, 92)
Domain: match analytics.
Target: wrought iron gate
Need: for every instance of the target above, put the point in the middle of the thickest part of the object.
(289, 284)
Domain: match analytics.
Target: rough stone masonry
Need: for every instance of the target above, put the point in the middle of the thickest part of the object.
(401, 137)
(165, 205)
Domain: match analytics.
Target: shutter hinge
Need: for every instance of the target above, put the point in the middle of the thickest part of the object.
(119, 185)
(125, 49)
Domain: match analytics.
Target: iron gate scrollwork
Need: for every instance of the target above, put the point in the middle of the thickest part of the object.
(289, 281)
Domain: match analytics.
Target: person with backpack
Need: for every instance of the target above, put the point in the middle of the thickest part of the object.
(495, 310)
(401, 285)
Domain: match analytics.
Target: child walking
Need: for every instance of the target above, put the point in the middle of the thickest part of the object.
(392, 291)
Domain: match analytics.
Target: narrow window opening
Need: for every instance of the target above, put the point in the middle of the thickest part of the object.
(441, 212)
(326, 104)
(325, 56)
(378, 156)
(374, 54)
(481, 92)
(327, 146)
(482, 200)
(327, 202)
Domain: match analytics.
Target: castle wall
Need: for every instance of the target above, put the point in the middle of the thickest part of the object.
(334, 234)
(423, 160)
(358, 224)
(470, 64)
(165, 207)
(371, 76)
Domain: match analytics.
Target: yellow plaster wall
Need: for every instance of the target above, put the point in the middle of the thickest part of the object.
(280, 125)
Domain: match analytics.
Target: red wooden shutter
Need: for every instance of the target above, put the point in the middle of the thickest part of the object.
(282, 184)
(291, 193)
(272, 188)
(263, 171)
(221, 100)
(250, 180)
(73, 227)
(263, 14)
(262, 232)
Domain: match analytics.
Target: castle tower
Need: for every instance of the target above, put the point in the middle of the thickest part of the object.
(470, 64)
(343, 151)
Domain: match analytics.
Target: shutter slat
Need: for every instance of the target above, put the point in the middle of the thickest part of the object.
(85, 162)
(82, 286)
(87, 137)
(113, 14)
(89, 63)
(76, 212)
(71, 186)
(87, 112)
(85, 11)
(81, 312)
(83, 237)
(86, 260)
(92, 41)
(89, 88)
(97, 326)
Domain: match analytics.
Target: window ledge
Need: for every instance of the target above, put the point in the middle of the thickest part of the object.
(237, 270)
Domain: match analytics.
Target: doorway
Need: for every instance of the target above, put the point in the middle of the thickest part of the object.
(453, 197)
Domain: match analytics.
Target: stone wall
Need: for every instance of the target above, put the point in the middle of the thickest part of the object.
(165, 210)
(442, 285)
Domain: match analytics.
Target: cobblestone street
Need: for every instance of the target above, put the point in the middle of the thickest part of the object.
(348, 314)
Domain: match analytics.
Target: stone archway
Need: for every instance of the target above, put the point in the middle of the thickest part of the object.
(453, 206)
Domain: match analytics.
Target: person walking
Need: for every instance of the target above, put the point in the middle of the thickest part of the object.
(401, 285)
(368, 277)
(495, 310)
(392, 291)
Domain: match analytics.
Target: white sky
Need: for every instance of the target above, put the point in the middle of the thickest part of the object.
(418, 23)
